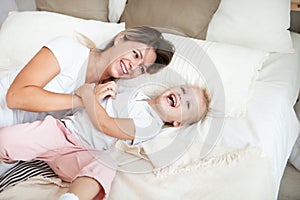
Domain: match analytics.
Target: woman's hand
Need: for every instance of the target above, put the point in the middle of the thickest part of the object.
(108, 89)
(100, 91)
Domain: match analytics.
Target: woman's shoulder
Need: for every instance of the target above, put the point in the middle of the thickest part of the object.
(64, 47)
(63, 40)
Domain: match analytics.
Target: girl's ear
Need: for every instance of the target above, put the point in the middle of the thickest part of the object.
(119, 38)
(176, 124)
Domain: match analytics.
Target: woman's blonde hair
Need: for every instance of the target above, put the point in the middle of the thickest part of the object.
(151, 37)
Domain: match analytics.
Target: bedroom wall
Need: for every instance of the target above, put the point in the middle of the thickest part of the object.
(9, 5)
(5, 7)
(25, 4)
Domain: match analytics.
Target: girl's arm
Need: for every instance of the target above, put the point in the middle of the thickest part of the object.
(122, 128)
(27, 93)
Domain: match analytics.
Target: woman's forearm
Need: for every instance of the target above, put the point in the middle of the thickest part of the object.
(26, 91)
(36, 99)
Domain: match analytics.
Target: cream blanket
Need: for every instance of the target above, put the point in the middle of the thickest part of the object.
(235, 174)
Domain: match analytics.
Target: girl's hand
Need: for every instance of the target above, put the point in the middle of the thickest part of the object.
(85, 88)
(105, 90)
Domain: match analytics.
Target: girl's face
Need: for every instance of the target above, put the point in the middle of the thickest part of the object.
(130, 59)
(180, 104)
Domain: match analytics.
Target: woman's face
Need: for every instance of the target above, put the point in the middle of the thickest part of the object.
(130, 59)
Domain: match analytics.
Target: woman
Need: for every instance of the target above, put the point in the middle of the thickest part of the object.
(47, 82)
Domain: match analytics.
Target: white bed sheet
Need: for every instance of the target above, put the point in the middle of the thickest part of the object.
(270, 122)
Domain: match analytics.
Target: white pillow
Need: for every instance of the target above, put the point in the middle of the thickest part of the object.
(115, 9)
(255, 23)
(229, 71)
(23, 33)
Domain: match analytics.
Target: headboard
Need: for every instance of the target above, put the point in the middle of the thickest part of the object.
(295, 5)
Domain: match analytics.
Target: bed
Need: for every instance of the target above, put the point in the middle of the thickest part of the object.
(250, 63)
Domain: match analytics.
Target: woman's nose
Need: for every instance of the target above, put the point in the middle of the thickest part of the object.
(131, 66)
(134, 65)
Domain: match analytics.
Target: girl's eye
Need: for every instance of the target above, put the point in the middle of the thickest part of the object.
(135, 54)
(188, 104)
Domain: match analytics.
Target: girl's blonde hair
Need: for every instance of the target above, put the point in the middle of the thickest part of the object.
(206, 102)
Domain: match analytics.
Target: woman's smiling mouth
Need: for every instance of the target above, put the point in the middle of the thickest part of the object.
(123, 67)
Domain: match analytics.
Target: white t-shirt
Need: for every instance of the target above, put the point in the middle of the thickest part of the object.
(127, 104)
(72, 58)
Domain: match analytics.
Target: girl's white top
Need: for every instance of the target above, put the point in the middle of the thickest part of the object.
(127, 104)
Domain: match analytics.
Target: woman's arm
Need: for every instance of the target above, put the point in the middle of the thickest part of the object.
(27, 93)
(122, 128)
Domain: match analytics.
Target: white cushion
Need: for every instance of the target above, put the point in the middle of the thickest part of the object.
(256, 24)
(229, 71)
(231, 67)
(23, 33)
(115, 9)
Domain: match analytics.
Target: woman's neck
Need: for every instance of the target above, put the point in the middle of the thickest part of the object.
(96, 70)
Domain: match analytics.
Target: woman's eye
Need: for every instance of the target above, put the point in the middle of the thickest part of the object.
(142, 69)
(135, 54)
